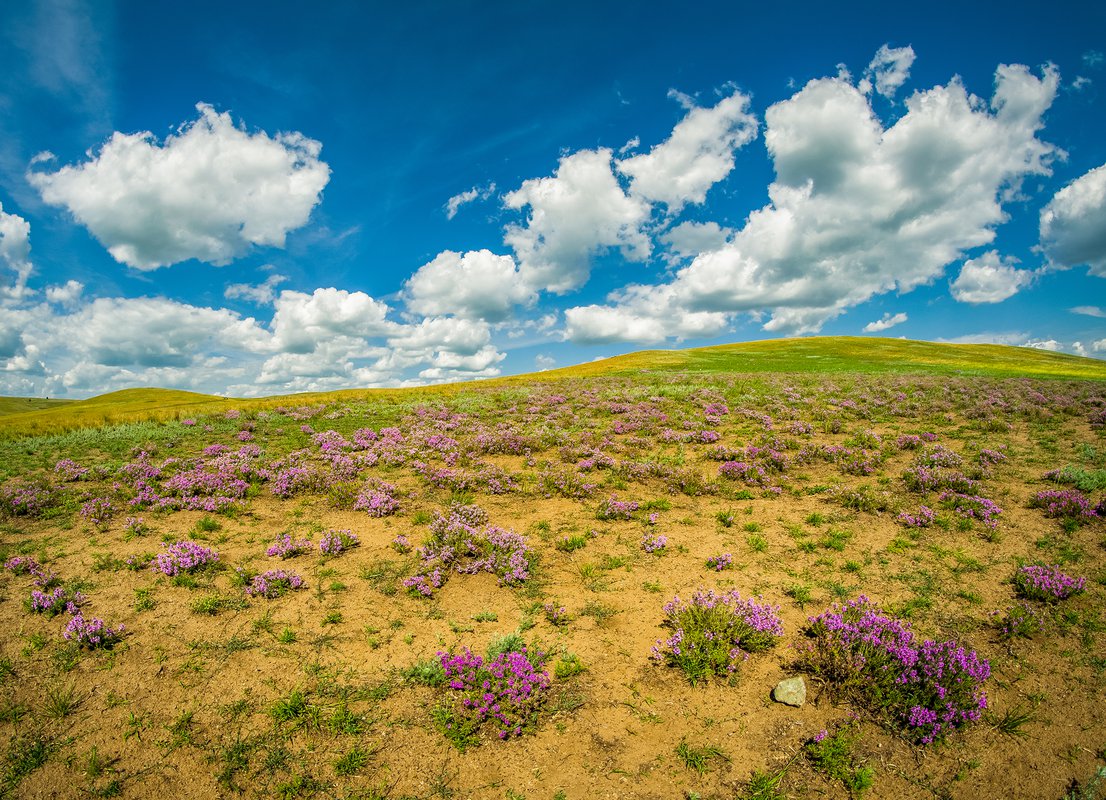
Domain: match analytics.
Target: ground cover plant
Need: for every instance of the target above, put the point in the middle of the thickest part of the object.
(567, 587)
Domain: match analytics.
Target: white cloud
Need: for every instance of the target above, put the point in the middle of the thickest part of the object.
(1099, 346)
(888, 70)
(858, 209)
(1073, 224)
(692, 238)
(262, 294)
(579, 212)
(1089, 311)
(68, 294)
(640, 314)
(15, 253)
(302, 321)
(1051, 345)
(454, 203)
(544, 362)
(450, 334)
(476, 285)
(1078, 348)
(886, 321)
(698, 154)
(209, 192)
(989, 279)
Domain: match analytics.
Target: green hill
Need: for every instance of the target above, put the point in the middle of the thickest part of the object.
(832, 354)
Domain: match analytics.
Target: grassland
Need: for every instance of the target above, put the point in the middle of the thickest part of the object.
(563, 513)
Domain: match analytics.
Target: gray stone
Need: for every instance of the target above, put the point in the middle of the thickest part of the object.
(790, 691)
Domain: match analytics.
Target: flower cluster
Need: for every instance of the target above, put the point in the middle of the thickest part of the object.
(1047, 584)
(714, 633)
(377, 500)
(91, 633)
(613, 508)
(1020, 620)
(183, 557)
(507, 691)
(1065, 503)
(425, 584)
(401, 544)
(334, 542)
(922, 519)
(972, 507)
(69, 470)
(557, 615)
(652, 543)
(287, 547)
(98, 511)
(273, 583)
(720, 562)
(54, 602)
(930, 688)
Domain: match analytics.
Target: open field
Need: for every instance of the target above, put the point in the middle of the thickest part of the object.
(304, 597)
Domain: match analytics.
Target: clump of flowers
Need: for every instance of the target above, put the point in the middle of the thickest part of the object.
(613, 508)
(69, 470)
(720, 562)
(929, 688)
(22, 565)
(52, 603)
(1046, 584)
(714, 633)
(377, 500)
(273, 583)
(922, 519)
(91, 633)
(557, 615)
(1065, 503)
(98, 511)
(401, 544)
(507, 692)
(461, 541)
(135, 526)
(1020, 620)
(972, 507)
(184, 557)
(337, 541)
(651, 543)
(287, 547)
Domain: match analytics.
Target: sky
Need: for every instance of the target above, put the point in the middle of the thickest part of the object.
(261, 198)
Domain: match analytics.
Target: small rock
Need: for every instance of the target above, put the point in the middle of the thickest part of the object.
(790, 691)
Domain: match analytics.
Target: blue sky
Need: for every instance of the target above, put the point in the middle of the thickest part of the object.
(258, 198)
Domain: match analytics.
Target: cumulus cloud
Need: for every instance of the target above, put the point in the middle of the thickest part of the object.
(1099, 346)
(262, 294)
(989, 279)
(698, 154)
(1073, 224)
(209, 192)
(1051, 345)
(68, 294)
(858, 209)
(453, 205)
(577, 213)
(640, 314)
(302, 321)
(477, 285)
(888, 70)
(15, 252)
(689, 239)
(888, 320)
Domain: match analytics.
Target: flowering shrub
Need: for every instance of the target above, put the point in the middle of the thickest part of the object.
(337, 541)
(377, 500)
(273, 583)
(923, 478)
(69, 470)
(508, 692)
(720, 562)
(714, 633)
(613, 508)
(91, 633)
(1047, 584)
(923, 519)
(929, 688)
(1020, 620)
(460, 541)
(27, 500)
(183, 557)
(1066, 503)
(55, 602)
(98, 511)
(972, 507)
(286, 547)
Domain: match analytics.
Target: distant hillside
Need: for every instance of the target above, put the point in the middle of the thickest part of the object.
(831, 354)
(18, 405)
